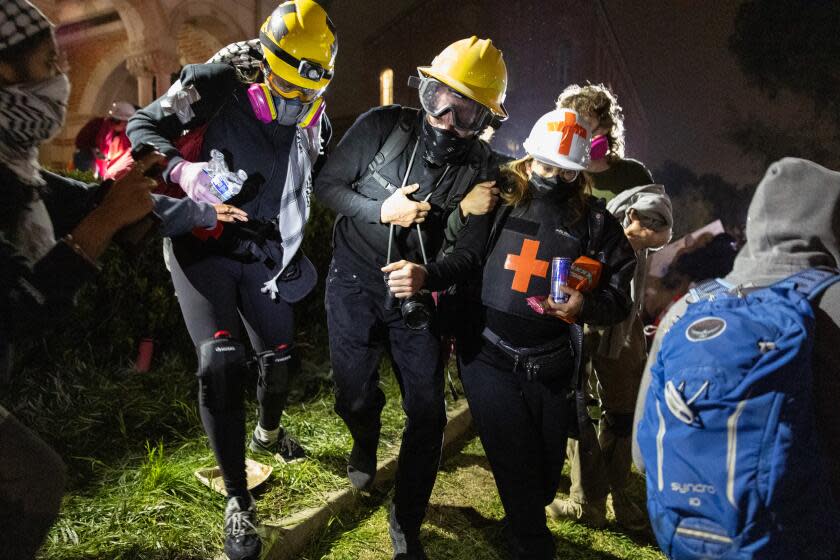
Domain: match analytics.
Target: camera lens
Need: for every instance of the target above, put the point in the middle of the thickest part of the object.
(416, 314)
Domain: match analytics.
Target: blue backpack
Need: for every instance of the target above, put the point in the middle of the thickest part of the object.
(728, 436)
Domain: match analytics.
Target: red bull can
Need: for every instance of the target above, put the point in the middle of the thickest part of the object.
(560, 267)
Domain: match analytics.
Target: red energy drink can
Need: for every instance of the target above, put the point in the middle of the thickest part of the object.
(560, 267)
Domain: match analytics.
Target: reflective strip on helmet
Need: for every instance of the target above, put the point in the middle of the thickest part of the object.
(276, 24)
(295, 63)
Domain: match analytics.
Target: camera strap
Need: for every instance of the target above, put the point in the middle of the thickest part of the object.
(428, 196)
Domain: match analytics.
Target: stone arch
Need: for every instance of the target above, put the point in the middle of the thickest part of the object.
(145, 23)
(95, 97)
(222, 24)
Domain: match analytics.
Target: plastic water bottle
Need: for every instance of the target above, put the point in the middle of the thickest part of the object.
(223, 183)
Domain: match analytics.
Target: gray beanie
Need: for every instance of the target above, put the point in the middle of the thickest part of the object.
(19, 20)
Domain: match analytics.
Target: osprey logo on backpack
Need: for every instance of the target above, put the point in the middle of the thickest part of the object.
(705, 328)
(730, 409)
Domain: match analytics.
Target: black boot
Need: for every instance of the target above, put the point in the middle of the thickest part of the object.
(241, 539)
(406, 544)
(361, 468)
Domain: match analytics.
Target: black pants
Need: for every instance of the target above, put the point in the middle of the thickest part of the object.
(360, 330)
(217, 293)
(522, 426)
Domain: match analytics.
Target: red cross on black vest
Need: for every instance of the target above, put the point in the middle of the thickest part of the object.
(525, 265)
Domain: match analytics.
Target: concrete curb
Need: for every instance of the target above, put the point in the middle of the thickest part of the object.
(287, 538)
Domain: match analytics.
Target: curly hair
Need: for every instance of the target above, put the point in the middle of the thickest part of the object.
(515, 190)
(598, 100)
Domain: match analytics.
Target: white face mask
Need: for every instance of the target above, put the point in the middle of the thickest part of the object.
(31, 114)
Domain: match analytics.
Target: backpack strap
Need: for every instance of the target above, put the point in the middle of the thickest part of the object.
(811, 282)
(393, 146)
(468, 173)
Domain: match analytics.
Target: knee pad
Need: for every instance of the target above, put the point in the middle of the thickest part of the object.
(222, 366)
(277, 367)
(619, 424)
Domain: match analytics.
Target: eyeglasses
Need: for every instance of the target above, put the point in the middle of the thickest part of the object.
(568, 175)
(289, 90)
(549, 171)
(437, 98)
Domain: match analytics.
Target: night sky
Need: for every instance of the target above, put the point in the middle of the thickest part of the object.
(689, 82)
(676, 52)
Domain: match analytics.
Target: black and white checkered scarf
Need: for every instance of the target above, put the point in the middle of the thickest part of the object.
(19, 20)
(30, 114)
(245, 56)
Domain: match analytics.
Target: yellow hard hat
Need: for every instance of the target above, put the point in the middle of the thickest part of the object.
(299, 44)
(475, 68)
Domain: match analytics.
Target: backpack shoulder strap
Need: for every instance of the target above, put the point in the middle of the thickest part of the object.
(811, 282)
(468, 173)
(393, 146)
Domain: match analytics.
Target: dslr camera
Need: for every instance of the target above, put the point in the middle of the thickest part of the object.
(417, 311)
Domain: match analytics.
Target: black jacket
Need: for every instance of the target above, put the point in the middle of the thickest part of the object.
(361, 240)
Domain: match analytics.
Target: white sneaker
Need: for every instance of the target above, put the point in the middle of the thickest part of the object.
(592, 514)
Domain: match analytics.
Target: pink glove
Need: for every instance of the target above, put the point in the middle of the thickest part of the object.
(194, 181)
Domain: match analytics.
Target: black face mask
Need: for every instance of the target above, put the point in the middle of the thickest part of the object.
(546, 185)
(441, 147)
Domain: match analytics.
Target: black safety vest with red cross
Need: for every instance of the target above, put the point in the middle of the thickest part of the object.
(519, 264)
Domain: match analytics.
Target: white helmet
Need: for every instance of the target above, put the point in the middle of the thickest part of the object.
(560, 139)
(121, 110)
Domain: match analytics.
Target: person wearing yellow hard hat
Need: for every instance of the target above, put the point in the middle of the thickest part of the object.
(517, 351)
(394, 179)
(255, 123)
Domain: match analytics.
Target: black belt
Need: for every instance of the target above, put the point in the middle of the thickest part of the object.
(527, 356)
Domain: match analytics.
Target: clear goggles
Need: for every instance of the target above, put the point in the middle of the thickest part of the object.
(289, 90)
(437, 98)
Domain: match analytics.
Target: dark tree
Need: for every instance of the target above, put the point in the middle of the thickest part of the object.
(791, 46)
(700, 199)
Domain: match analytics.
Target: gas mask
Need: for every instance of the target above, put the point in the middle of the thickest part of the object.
(287, 112)
(599, 148)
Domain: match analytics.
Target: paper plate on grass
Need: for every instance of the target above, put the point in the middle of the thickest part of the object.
(256, 474)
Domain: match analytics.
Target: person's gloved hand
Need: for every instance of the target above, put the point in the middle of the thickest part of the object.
(194, 181)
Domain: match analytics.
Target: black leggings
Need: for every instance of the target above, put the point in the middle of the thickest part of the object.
(217, 293)
(522, 426)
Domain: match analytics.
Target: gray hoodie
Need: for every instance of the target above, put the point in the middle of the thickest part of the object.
(793, 224)
(653, 207)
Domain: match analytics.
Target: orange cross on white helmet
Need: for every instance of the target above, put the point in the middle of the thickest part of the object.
(561, 139)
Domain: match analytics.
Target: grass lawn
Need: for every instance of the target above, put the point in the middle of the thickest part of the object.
(464, 523)
(132, 442)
